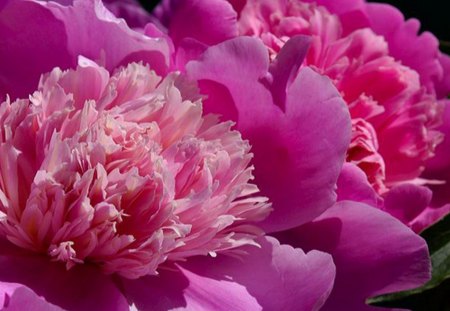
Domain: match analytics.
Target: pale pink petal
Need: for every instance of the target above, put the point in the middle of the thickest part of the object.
(295, 281)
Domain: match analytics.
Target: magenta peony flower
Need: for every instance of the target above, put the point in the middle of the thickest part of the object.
(393, 116)
(118, 193)
(395, 128)
(118, 114)
(368, 262)
(123, 173)
(238, 72)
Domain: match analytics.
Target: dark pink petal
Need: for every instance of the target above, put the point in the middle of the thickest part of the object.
(405, 202)
(16, 297)
(438, 167)
(108, 39)
(238, 5)
(441, 160)
(443, 86)
(130, 10)
(35, 37)
(374, 253)
(81, 288)
(339, 7)
(298, 153)
(428, 217)
(208, 21)
(352, 185)
(420, 52)
(273, 277)
(284, 68)
(24, 28)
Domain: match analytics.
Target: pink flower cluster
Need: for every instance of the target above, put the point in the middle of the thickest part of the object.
(217, 155)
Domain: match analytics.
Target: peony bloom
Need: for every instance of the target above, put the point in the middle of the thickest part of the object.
(368, 262)
(394, 117)
(123, 174)
(117, 192)
(296, 122)
(395, 102)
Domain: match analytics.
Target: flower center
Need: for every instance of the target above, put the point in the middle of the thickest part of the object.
(122, 171)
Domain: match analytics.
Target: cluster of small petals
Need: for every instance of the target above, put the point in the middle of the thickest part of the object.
(400, 115)
(122, 171)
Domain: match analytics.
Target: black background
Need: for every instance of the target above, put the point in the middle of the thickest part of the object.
(432, 14)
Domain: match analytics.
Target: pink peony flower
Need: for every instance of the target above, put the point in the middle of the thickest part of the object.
(351, 45)
(393, 116)
(124, 173)
(368, 262)
(299, 130)
(117, 193)
(239, 71)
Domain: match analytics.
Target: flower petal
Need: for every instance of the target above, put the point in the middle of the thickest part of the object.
(352, 185)
(295, 281)
(428, 217)
(25, 25)
(405, 202)
(130, 10)
(290, 147)
(208, 21)
(81, 288)
(285, 67)
(107, 38)
(368, 261)
(416, 51)
(16, 297)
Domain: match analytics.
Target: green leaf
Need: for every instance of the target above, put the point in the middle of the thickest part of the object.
(434, 294)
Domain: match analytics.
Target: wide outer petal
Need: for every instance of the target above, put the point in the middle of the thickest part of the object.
(81, 288)
(272, 277)
(353, 185)
(207, 21)
(130, 10)
(374, 253)
(38, 36)
(299, 152)
(32, 41)
(16, 297)
(428, 217)
(420, 52)
(407, 201)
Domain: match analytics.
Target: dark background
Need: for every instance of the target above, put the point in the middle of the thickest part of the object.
(432, 14)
